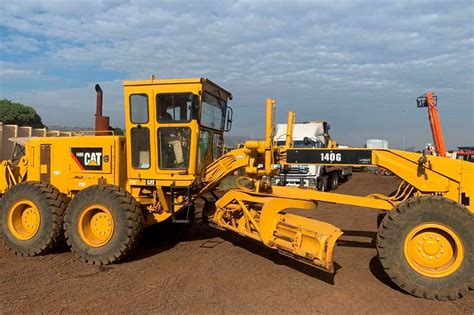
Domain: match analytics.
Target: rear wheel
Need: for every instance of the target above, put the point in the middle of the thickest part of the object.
(323, 184)
(426, 247)
(103, 224)
(32, 218)
(333, 180)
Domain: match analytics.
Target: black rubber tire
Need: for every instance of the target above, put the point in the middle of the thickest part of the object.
(51, 204)
(390, 243)
(323, 185)
(128, 224)
(380, 218)
(333, 181)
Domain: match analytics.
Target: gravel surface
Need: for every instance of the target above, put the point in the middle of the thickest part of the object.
(210, 271)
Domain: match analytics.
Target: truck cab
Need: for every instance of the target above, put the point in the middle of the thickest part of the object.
(312, 134)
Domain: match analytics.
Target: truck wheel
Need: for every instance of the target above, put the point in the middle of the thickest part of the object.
(323, 185)
(32, 218)
(333, 181)
(103, 224)
(426, 247)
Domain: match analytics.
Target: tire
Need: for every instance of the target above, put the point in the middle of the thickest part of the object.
(333, 180)
(323, 185)
(120, 220)
(404, 250)
(380, 218)
(32, 218)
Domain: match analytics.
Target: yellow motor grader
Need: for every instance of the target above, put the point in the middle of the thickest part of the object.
(98, 191)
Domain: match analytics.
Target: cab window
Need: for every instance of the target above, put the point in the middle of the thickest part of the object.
(139, 108)
(213, 111)
(174, 147)
(204, 150)
(217, 146)
(174, 107)
(140, 148)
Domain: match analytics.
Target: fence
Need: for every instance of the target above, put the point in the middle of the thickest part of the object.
(13, 131)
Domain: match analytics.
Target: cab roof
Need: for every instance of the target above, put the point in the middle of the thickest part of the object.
(154, 81)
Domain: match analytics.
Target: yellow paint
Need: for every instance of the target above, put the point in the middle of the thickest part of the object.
(433, 250)
(289, 130)
(269, 136)
(262, 218)
(256, 210)
(24, 220)
(96, 225)
(438, 175)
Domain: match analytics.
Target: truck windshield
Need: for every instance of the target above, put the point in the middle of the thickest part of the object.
(302, 144)
(213, 111)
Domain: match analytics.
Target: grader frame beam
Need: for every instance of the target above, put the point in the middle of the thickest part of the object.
(427, 174)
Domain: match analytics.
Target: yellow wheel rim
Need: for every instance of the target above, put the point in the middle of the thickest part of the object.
(96, 225)
(433, 250)
(24, 220)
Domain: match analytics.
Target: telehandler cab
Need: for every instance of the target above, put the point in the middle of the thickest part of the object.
(100, 190)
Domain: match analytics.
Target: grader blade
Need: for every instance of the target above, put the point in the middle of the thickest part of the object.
(307, 240)
(262, 218)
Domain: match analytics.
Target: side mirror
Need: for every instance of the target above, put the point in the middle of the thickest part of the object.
(228, 120)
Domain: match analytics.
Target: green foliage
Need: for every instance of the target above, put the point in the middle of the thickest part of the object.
(19, 114)
(118, 131)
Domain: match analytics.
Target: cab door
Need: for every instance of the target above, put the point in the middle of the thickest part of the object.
(140, 122)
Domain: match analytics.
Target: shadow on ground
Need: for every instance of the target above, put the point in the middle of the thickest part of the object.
(164, 236)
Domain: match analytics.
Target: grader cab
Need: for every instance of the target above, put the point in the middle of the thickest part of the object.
(100, 191)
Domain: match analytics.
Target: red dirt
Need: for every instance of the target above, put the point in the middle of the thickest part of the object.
(211, 271)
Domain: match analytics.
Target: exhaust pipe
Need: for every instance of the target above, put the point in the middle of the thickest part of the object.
(101, 122)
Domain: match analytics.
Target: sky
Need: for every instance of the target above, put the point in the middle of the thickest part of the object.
(358, 65)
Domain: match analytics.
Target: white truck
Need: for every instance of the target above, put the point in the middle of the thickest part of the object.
(312, 134)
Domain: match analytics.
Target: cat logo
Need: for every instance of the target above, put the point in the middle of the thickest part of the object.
(89, 159)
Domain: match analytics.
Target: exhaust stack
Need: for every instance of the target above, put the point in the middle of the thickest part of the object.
(101, 122)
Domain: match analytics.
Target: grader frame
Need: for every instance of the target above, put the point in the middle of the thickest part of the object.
(424, 243)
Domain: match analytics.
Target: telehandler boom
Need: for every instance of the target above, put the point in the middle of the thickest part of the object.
(101, 190)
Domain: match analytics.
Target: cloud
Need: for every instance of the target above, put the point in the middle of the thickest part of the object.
(324, 60)
(19, 44)
(12, 71)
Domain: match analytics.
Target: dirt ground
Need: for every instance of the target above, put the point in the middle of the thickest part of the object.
(210, 271)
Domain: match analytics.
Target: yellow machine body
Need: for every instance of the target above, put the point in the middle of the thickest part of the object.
(74, 163)
(172, 154)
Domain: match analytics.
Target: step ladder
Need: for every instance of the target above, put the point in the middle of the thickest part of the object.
(187, 203)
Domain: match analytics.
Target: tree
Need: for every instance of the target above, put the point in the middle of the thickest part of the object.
(19, 114)
(118, 131)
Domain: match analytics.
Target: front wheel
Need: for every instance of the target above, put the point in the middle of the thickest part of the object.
(31, 218)
(103, 224)
(426, 247)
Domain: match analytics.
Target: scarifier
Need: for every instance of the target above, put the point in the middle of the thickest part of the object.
(100, 190)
